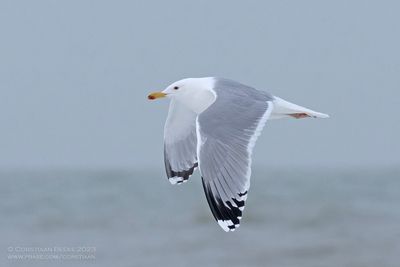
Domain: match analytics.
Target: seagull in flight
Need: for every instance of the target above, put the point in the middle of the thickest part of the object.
(213, 124)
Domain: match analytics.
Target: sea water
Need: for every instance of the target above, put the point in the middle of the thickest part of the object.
(294, 218)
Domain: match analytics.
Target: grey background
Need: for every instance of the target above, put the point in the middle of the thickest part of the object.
(81, 147)
(74, 76)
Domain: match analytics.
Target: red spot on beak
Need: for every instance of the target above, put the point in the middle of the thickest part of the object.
(156, 95)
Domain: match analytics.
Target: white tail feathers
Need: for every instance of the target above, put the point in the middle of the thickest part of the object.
(285, 109)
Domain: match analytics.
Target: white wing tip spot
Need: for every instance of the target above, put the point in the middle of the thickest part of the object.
(175, 180)
(223, 225)
(228, 225)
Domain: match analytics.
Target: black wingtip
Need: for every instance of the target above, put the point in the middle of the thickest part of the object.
(184, 175)
(226, 214)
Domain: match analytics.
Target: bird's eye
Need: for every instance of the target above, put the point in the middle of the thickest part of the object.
(176, 88)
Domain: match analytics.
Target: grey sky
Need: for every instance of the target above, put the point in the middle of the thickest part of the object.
(74, 76)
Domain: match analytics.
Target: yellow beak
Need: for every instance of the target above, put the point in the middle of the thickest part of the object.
(156, 95)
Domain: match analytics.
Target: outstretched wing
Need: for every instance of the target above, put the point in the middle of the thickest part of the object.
(180, 143)
(227, 132)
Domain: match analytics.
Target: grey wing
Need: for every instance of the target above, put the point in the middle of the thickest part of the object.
(180, 142)
(227, 132)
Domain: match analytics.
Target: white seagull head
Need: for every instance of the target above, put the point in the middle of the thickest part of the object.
(196, 93)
